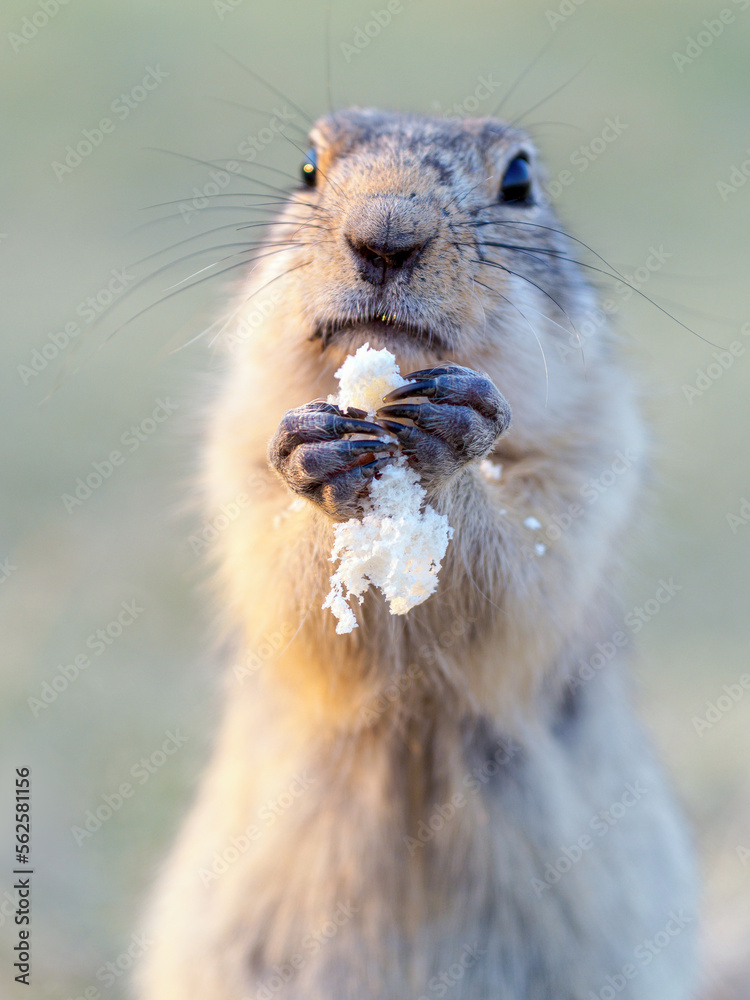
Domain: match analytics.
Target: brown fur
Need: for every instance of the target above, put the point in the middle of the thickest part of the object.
(478, 672)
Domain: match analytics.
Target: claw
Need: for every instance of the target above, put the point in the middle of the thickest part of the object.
(369, 470)
(345, 425)
(393, 426)
(353, 449)
(445, 369)
(404, 432)
(426, 387)
(409, 410)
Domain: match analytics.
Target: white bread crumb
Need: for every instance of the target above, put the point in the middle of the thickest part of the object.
(364, 378)
(490, 470)
(399, 544)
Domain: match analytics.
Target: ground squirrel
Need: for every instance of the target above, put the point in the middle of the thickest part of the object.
(459, 801)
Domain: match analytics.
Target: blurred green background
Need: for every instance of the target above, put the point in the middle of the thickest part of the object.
(63, 233)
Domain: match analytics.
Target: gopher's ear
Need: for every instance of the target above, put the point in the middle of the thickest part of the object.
(324, 143)
(319, 138)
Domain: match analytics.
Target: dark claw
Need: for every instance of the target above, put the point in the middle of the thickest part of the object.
(369, 470)
(353, 449)
(394, 426)
(425, 387)
(432, 372)
(352, 411)
(410, 411)
(345, 425)
(405, 433)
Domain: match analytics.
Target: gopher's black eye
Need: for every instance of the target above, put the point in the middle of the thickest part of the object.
(516, 183)
(310, 168)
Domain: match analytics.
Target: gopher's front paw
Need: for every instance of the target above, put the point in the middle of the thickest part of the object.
(315, 455)
(463, 417)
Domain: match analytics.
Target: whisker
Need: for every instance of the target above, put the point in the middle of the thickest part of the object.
(272, 206)
(539, 343)
(328, 59)
(209, 208)
(520, 118)
(457, 201)
(214, 164)
(252, 110)
(220, 194)
(523, 74)
(242, 305)
(170, 295)
(291, 222)
(523, 277)
(551, 229)
(266, 83)
(230, 256)
(619, 277)
(198, 236)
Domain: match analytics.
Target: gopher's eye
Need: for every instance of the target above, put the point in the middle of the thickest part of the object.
(516, 182)
(310, 168)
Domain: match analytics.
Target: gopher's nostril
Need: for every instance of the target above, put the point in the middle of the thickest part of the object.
(378, 262)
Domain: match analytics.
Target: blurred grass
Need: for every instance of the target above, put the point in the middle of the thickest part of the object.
(656, 185)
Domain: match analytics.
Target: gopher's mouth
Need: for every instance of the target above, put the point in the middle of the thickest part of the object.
(383, 328)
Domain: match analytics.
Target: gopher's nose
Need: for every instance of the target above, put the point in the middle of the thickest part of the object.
(386, 235)
(379, 260)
